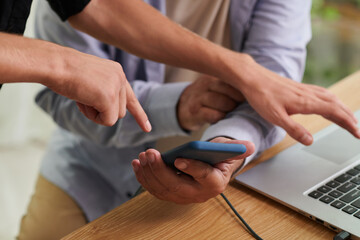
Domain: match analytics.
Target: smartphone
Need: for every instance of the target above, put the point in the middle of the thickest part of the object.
(208, 152)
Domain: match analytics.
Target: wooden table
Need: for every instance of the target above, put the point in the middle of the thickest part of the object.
(146, 217)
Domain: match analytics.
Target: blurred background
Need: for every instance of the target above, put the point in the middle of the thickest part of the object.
(333, 53)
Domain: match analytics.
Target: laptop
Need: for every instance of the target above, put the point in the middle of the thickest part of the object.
(321, 181)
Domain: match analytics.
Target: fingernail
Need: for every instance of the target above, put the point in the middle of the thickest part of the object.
(151, 158)
(358, 133)
(148, 126)
(306, 139)
(181, 164)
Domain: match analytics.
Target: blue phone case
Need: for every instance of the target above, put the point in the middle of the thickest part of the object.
(208, 152)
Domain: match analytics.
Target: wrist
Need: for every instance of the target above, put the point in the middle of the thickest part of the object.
(55, 68)
(41, 57)
(236, 69)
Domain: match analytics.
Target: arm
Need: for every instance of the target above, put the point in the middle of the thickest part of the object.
(168, 112)
(137, 21)
(172, 108)
(72, 74)
(158, 100)
(283, 53)
(279, 53)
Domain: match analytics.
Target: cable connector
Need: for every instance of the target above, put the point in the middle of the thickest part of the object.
(342, 236)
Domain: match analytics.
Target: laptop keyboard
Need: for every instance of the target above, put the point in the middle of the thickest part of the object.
(342, 192)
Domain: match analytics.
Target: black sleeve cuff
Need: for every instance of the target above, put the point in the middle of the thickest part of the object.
(67, 8)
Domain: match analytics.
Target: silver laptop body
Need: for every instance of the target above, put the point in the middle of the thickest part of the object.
(305, 178)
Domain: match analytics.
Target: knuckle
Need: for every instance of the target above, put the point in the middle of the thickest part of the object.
(110, 122)
(205, 173)
(331, 95)
(112, 96)
(275, 116)
(323, 89)
(212, 81)
(213, 118)
(207, 97)
(306, 104)
(118, 66)
(194, 108)
(333, 111)
(200, 83)
(122, 114)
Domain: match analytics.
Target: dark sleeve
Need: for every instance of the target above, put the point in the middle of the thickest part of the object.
(67, 8)
(13, 15)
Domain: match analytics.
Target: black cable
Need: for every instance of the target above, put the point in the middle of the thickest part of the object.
(257, 237)
(241, 219)
(138, 191)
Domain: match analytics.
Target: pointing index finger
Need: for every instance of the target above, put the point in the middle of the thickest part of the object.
(134, 107)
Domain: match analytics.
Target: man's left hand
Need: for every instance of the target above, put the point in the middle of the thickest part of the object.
(201, 181)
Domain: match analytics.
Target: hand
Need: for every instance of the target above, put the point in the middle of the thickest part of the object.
(200, 183)
(275, 98)
(207, 100)
(99, 86)
(101, 90)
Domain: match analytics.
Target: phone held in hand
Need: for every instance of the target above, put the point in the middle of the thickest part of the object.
(208, 152)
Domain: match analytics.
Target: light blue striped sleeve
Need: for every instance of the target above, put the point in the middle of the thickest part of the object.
(277, 37)
(158, 100)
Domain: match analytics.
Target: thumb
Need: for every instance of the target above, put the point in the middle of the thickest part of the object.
(250, 148)
(202, 172)
(134, 107)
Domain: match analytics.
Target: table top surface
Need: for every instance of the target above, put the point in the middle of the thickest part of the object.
(146, 217)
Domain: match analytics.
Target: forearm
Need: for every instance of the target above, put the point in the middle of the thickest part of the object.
(140, 29)
(29, 60)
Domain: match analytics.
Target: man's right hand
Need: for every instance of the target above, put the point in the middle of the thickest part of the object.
(207, 100)
(100, 88)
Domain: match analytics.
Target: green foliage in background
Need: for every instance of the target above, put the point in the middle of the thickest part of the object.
(356, 2)
(331, 56)
(320, 10)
